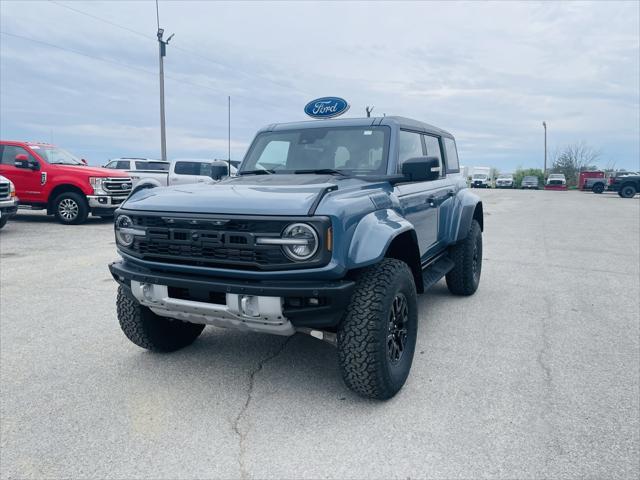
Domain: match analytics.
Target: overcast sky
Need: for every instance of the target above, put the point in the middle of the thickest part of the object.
(489, 73)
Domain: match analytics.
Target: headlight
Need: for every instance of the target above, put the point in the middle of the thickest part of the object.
(125, 231)
(301, 241)
(96, 183)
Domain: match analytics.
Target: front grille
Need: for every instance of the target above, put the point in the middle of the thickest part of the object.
(220, 241)
(117, 185)
(4, 190)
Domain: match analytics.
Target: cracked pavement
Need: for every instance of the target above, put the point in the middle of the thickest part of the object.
(537, 375)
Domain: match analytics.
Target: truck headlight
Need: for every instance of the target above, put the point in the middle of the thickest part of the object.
(96, 184)
(301, 241)
(125, 231)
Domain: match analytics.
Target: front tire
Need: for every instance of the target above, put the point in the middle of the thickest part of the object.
(3, 221)
(151, 331)
(598, 188)
(377, 336)
(628, 191)
(464, 278)
(70, 208)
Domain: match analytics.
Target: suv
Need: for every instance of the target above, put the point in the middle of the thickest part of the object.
(8, 200)
(627, 186)
(331, 228)
(48, 177)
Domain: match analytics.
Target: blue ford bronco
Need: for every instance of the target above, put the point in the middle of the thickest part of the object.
(331, 228)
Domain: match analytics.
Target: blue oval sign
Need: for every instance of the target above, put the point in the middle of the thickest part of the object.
(326, 107)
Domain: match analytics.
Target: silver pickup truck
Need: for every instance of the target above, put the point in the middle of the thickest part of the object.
(158, 173)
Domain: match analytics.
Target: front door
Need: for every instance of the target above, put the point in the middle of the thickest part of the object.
(29, 183)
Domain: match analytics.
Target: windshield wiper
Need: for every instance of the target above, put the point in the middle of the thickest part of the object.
(322, 171)
(262, 171)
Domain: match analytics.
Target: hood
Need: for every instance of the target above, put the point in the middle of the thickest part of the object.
(246, 195)
(89, 171)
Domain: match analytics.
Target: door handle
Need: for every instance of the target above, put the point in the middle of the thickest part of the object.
(431, 201)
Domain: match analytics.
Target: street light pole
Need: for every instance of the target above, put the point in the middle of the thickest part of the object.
(544, 124)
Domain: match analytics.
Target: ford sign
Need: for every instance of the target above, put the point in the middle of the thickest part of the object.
(326, 107)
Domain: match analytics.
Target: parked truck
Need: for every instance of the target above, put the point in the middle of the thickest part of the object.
(156, 173)
(8, 200)
(481, 177)
(331, 229)
(48, 177)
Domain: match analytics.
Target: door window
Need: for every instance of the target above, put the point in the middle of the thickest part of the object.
(193, 168)
(9, 153)
(410, 146)
(453, 164)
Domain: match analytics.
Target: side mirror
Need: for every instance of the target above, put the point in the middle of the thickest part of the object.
(22, 161)
(219, 171)
(421, 169)
(84, 161)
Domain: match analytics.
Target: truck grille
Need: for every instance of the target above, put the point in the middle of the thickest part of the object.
(117, 185)
(4, 190)
(218, 242)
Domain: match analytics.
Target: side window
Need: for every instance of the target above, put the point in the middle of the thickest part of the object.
(111, 165)
(122, 165)
(410, 146)
(9, 153)
(433, 150)
(187, 168)
(274, 155)
(453, 164)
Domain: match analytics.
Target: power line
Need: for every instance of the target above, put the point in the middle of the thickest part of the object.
(126, 65)
(182, 49)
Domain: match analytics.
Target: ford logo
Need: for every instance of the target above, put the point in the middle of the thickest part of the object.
(326, 107)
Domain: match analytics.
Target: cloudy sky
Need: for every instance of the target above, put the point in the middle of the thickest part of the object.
(83, 74)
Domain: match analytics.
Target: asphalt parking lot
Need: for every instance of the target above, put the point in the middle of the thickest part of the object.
(537, 375)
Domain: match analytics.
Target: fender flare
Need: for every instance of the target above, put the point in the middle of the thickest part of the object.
(373, 235)
(470, 208)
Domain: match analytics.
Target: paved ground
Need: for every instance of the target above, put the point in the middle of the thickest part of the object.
(534, 376)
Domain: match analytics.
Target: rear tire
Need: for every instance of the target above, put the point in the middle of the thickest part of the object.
(598, 188)
(70, 208)
(3, 221)
(377, 336)
(151, 331)
(464, 278)
(627, 191)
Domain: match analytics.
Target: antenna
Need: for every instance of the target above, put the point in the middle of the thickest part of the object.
(369, 109)
(229, 132)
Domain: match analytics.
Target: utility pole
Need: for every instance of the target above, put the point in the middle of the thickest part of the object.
(544, 124)
(229, 133)
(162, 44)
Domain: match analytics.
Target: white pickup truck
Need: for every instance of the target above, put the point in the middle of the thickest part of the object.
(158, 173)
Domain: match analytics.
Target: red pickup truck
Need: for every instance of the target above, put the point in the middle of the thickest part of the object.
(48, 177)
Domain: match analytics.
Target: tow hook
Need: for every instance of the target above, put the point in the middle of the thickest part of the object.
(328, 337)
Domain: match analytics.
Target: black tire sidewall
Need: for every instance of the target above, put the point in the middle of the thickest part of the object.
(3, 221)
(628, 191)
(83, 208)
(598, 188)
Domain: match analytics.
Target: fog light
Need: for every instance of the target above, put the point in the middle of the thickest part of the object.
(147, 291)
(249, 306)
(102, 200)
(314, 301)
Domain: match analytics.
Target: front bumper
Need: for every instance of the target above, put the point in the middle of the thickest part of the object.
(8, 207)
(301, 304)
(105, 202)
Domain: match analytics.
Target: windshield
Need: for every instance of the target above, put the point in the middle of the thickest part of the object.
(55, 155)
(480, 176)
(530, 179)
(505, 177)
(349, 150)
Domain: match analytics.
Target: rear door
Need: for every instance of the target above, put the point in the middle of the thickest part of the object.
(186, 171)
(417, 199)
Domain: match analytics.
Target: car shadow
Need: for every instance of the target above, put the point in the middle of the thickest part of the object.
(41, 217)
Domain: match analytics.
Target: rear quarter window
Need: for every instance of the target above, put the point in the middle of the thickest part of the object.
(453, 164)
